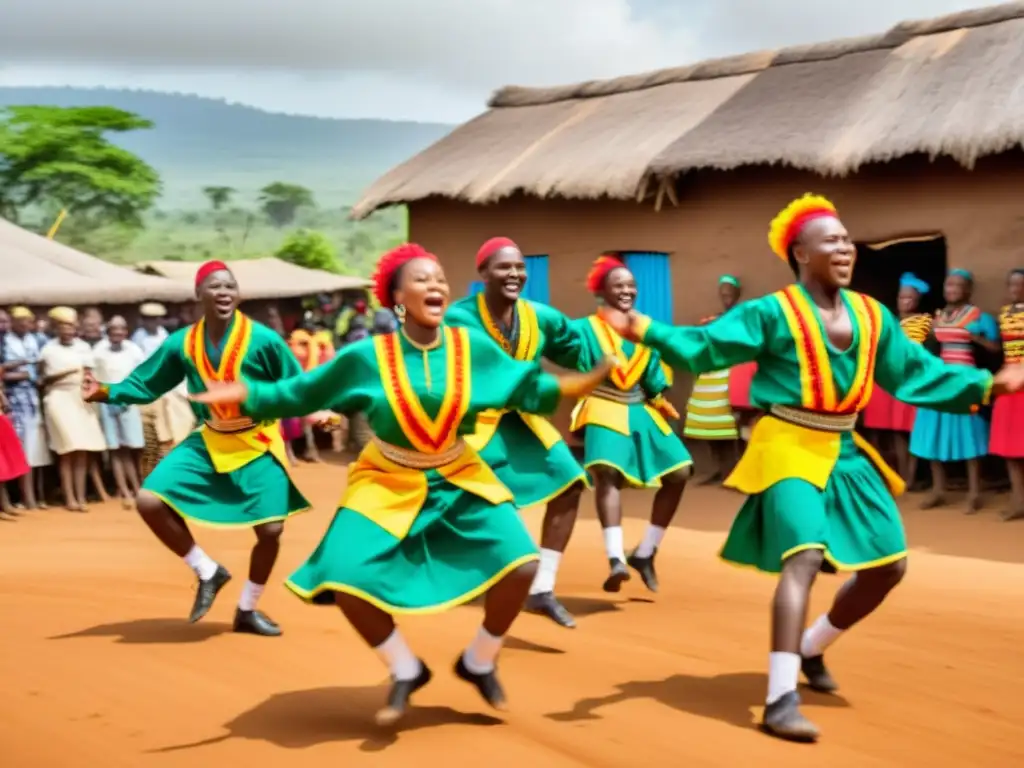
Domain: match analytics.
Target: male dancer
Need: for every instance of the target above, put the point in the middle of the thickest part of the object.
(817, 491)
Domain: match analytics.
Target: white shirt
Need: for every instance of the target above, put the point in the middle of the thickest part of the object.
(113, 366)
(149, 342)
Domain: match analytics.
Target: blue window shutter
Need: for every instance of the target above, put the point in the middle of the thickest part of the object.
(653, 275)
(537, 286)
(475, 287)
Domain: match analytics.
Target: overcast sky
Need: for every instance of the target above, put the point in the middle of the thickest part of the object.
(431, 60)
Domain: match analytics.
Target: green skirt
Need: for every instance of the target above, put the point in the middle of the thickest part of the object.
(643, 457)
(458, 547)
(534, 474)
(854, 520)
(260, 492)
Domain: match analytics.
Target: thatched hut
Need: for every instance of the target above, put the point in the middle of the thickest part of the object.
(914, 133)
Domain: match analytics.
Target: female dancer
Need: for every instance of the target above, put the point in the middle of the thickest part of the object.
(626, 438)
(233, 471)
(424, 524)
(709, 415)
(1007, 438)
(817, 496)
(940, 438)
(525, 451)
(884, 412)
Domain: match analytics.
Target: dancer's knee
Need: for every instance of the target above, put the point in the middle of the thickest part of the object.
(803, 566)
(150, 506)
(269, 531)
(679, 476)
(886, 577)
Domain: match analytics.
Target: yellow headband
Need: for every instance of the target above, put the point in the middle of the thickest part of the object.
(794, 217)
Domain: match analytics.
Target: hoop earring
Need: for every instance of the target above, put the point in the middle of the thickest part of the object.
(400, 313)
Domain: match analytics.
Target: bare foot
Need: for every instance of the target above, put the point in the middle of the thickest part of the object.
(974, 504)
(1015, 512)
(933, 500)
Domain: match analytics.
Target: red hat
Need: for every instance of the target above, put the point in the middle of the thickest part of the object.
(603, 264)
(389, 264)
(208, 269)
(491, 247)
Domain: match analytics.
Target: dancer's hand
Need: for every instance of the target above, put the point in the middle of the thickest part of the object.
(623, 323)
(92, 390)
(580, 384)
(665, 408)
(222, 393)
(1010, 379)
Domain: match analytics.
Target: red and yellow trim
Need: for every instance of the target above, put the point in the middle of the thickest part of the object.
(817, 384)
(230, 368)
(529, 329)
(628, 374)
(425, 434)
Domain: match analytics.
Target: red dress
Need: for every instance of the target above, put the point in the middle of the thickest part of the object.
(12, 455)
(884, 411)
(1006, 437)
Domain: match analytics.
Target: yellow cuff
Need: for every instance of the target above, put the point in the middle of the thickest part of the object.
(986, 399)
(640, 326)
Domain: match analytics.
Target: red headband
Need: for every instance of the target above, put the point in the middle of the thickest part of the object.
(599, 271)
(389, 264)
(208, 269)
(797, 224)
(491, 247)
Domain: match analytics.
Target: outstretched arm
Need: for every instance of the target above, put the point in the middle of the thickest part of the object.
(151, 379)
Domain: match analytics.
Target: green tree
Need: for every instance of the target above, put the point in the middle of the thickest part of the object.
(60, 157)
(219, 196)
(280, 202)
(309, 248)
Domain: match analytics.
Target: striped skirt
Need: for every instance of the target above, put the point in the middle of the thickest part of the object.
(708, 412)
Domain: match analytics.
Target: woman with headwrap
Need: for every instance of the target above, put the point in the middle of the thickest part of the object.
(1007, 437)
(424, 524)
(885, 412)
(624, 424)
(962, 331)
(709, 414)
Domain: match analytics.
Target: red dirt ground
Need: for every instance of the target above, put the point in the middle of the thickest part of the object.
(99, 667)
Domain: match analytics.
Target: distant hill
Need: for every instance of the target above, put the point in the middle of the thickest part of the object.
(199, 142)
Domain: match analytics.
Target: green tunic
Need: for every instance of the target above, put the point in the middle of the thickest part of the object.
(811, 489)
(415, 532)
(190, 479)
(620, 423)
(530, 458)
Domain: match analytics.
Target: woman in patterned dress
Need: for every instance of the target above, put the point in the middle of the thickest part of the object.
(1007, 438)
(940, 438)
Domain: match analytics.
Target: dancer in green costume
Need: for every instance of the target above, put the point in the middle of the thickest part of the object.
(232, 471)
(424, 524)
(525, 451)
(627, 439)
(817, 490)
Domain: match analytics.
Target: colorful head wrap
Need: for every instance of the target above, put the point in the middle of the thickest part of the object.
(208, 269)
(388, 266)
(966, 274)
(599, 271)
(910, 280)
(491, 247)
(22, 313)
(729, 280)
(791, 220)
(64, 315)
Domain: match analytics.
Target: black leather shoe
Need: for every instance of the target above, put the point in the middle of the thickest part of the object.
(619, 573)
(255, 623)
(487, 685)
(398, 696)
(783, 720)
(546, 604)
(207, 591)
(817, 674)
(645, 567)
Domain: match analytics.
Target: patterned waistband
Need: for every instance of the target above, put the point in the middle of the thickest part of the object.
(230, 426)
(405, 457)
(823, 422)
(632, 397)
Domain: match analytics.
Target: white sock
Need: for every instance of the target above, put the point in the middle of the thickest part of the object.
(547, 570)
(652, 538)
(819, 636)
(613, 543)
(200, 562)
(783, 672)
(481, 654)
(399, 657)
(250, 596)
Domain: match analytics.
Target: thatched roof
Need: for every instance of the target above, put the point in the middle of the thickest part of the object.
(40, 272)
(948, 86)
(267, 278)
